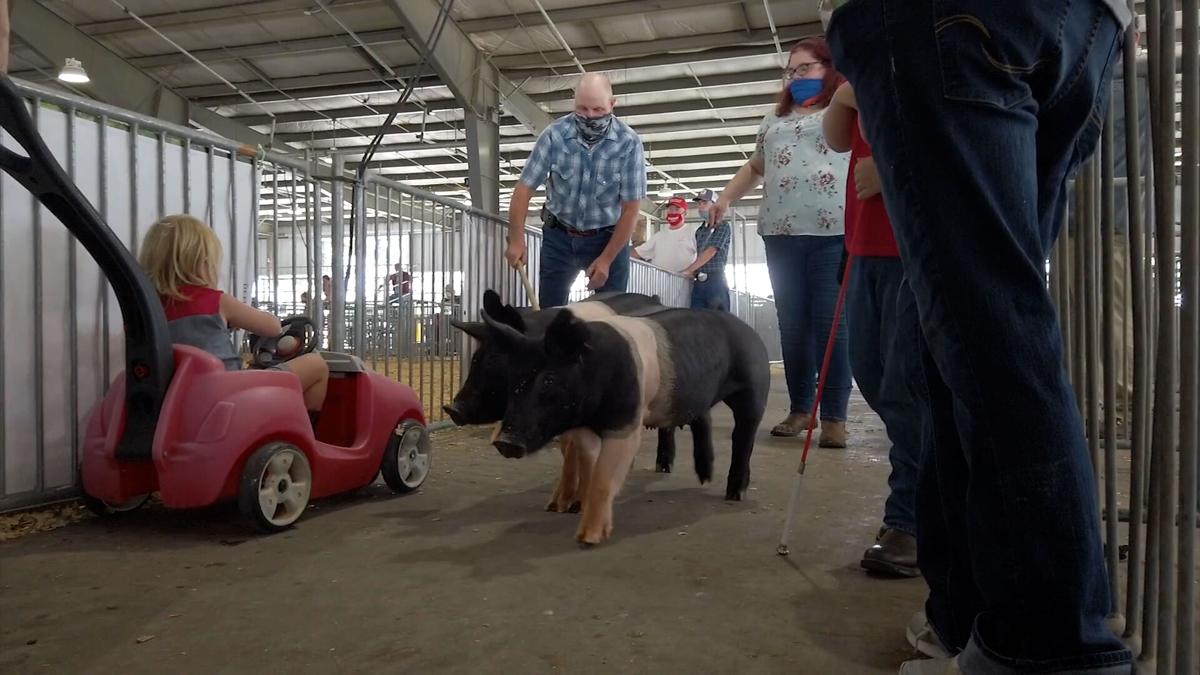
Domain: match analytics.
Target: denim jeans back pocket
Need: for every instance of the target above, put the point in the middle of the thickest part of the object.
(986, 60)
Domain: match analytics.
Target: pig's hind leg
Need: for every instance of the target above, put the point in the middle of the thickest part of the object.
(747, 406)
(702, 446)
(665, 458)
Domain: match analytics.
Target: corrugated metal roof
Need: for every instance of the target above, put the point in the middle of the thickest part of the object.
(693, 76)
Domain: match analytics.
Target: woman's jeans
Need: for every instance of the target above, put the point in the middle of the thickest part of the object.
(977, 112)
(804, 277)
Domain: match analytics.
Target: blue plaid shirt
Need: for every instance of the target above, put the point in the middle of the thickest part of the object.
(587, 185)
(718, 238)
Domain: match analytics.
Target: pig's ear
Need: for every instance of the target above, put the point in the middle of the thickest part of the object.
(566, 337)
(509, 315)
(476, 329)
(506, 336)
(492, 303)
(501, 312)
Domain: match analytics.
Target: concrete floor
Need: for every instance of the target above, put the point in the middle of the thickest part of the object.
(471, 575)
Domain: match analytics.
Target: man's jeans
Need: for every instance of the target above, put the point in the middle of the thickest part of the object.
(564, 257)
(875, 310)
(977, 112)
(804, 278)
(712, 293)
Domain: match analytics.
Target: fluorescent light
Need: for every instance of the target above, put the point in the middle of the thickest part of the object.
(73, 72)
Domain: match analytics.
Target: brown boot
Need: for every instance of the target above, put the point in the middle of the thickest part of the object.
(894, 555)
(794, 425)
(833, 434)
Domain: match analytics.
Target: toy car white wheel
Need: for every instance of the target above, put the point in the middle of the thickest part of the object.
(103, 508)
(275, 486)
(408, 457)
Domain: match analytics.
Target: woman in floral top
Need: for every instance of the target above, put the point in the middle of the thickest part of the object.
(801, 224)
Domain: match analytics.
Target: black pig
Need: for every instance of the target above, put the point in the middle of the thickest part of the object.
(608, 378)
(484, 395)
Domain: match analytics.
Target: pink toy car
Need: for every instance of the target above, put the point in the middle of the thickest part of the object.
(176, 422)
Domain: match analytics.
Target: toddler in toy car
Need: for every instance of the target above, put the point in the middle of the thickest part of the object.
(182, 256)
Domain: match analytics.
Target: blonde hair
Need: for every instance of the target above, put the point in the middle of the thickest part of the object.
(180, 250)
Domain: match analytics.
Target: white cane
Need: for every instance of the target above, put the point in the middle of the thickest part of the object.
(794, 500)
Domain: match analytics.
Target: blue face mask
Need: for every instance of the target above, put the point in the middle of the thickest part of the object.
(802, 90)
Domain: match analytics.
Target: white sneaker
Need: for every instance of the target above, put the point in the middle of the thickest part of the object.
(923, 638)
(930, 667)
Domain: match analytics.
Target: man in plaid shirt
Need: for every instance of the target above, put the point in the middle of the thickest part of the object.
(597, 178)
(710, 290)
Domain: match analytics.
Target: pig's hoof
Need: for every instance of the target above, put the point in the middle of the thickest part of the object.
(552, 507)
(662, 468)
(593, 534)
(575, 507)
(733, 495)
(589, 540)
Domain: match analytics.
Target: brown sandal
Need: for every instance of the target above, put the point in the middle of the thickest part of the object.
(794, 425)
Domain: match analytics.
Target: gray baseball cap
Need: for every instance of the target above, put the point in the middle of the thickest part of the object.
(705, 196)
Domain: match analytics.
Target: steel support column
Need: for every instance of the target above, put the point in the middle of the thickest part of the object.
(483, 152)
(479, 86)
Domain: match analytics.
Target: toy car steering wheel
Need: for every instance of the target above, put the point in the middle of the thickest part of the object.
(299, 337)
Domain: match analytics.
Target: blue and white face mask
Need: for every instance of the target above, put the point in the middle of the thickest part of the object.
(592, 129)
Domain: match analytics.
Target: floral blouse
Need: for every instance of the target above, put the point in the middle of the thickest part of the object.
(804, 181)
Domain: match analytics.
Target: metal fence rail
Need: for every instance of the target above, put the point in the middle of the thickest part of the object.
(59, 323)
(382, 267)
(1126, 281)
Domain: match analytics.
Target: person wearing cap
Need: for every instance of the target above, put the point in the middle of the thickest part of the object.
(709, 288)
(673, 248)
(594, 169)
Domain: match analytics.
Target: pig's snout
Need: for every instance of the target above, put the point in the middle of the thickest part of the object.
(509, 446)
(456, 414)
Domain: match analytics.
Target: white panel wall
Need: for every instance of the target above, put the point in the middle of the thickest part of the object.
(53, 295)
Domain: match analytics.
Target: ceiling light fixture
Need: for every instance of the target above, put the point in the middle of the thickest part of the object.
(73, 72)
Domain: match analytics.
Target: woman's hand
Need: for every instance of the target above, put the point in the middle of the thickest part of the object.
(866, 178)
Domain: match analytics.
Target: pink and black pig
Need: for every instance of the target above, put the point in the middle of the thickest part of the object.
(603, 380)
(484, 395)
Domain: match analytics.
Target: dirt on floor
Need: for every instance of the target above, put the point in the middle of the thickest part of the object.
(471, 575)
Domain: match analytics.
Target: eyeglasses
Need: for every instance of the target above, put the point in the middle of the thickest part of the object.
(800, 70)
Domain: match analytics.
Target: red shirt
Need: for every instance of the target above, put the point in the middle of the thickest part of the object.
(868, 228)
(200, 301)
